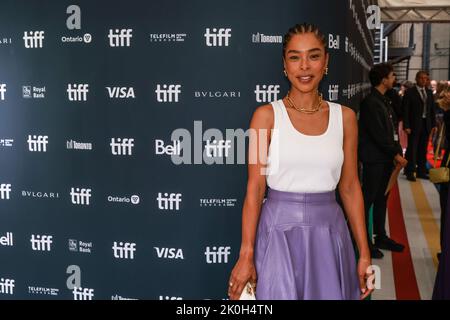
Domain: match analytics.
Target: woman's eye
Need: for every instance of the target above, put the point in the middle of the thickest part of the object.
(293, 58)
(315, 56)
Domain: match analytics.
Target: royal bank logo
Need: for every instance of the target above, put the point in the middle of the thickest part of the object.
(217, 254)
(120, 37)
(43, 291)
(2, 91)
(6, 142)
(218, 202)
(217, 37)
(7, 286)
(134, 199)
(333, 92)
(264, 38)
(168, 92)
(32, 92)
(80, 246)
(33, 39)
(167, 37)
(267, 93)
(75, 145)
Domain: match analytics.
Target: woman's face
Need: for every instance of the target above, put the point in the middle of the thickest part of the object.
(305, 61)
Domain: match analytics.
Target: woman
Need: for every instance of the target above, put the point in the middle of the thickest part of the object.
(302, 248)
(442, 284)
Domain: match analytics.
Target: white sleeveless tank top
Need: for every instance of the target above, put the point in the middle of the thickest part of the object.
(305, 163)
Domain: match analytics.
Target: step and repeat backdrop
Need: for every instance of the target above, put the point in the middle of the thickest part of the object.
(122, 163)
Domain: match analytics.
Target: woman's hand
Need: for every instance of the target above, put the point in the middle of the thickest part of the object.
(243, 271)
(364, 272)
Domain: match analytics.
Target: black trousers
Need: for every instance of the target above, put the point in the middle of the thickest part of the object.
(416, 153)
(375, 178)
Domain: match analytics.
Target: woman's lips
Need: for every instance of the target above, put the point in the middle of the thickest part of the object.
(305, 79)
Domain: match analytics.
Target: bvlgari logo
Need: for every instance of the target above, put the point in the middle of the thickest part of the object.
(217, 94)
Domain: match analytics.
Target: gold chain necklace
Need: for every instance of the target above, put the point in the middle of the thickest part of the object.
(305, 110)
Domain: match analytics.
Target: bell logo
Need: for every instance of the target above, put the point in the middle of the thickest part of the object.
(174, 149)
(120, 38)
(7, 286)
(267, 93)
(33, 39)
(167, 201)
(5, 190)
(218, 37)
(217, 254)
(82, 293)
(41, 242)
(7, 240)
(169, 253)
(124, 250)
(332, 42)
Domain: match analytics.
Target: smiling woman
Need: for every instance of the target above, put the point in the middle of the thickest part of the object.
(296, 245)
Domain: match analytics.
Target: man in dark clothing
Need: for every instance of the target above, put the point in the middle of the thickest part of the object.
(419, 121)
(379, 150)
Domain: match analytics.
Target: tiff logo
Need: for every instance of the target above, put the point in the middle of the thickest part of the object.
(82, 293)
(267, 93)
(77, 92)
(41, 243)
(216, 148)
(120, 38)
(2, 91)
(80, 196)
(37, 143)
(124, 250)
(168, 93)
(7, 286)
(217, 254)
(5, 190)
(218, 37)
(167, 202)
(33, 39)
(123, 146)
(333, 92)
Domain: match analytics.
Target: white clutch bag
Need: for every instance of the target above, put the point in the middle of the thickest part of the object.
(248, 293)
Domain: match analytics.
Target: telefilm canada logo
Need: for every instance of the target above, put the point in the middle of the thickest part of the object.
(167, 37)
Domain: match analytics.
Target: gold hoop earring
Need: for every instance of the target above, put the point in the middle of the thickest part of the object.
(326, 71)
(285, 73)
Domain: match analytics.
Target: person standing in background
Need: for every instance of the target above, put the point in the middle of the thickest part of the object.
(419, 122)
(378, 150)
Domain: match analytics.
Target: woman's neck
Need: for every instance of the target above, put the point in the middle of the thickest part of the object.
(304, 100)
